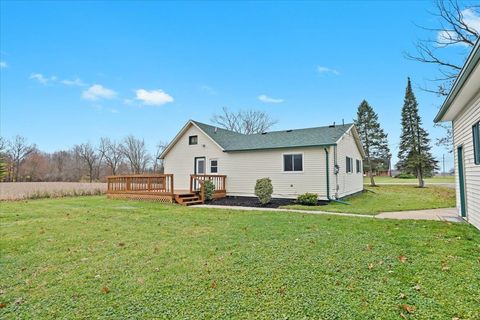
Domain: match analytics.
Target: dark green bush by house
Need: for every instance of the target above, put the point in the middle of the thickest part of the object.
(209, 189)
(307, 199)
(264, 190)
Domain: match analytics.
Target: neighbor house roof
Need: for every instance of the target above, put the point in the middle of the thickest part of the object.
(309, 137)
(230, 141)
(465, 83)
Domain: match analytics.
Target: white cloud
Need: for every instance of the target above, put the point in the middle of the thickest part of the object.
(153, 97)
(208, 90)
(41, 78)
(322, 69)
(3, 64)
(471, 19)
(97, 91)
(74, 82)
(266, 99)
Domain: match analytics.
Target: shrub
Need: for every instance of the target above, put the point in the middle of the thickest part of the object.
(209, 189)
(264, 190)
(308, 199)
(405, 176)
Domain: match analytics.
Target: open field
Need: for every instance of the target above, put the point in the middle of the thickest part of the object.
(90, 257)
(27, 190)
(390, 180)
(387, 198)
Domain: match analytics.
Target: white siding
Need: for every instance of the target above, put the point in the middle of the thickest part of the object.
(348, 183)
(462, 135)
(244, 168)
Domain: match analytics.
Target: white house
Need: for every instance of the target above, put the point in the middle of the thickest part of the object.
(462, 108)
(323, 160)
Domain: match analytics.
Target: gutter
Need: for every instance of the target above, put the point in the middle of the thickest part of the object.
(328, 179)
(467, 69)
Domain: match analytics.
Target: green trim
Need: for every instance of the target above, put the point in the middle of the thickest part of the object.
(328, 173)
(276, 148)
(461, 181)
(469, 66)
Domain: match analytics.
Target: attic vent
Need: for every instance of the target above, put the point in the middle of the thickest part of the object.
(289, 130)
(264, 133)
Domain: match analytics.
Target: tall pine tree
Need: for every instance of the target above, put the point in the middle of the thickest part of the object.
(374, 139)
(414, 152)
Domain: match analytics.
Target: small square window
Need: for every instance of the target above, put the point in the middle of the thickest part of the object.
(193, 140)
(213, 166)
(293, 162)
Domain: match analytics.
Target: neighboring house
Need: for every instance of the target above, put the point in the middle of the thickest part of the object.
(324, 160)
(462, 107)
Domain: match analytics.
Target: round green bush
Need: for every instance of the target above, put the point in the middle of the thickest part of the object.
(308, 199)
(209, 189)
(264, 190)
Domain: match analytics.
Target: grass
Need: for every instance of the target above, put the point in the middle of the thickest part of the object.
(391, 180)
(388, 198)
(90, 257)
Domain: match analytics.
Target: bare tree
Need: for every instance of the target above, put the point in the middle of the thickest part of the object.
(157, 162)
(87, 154)
(18, 150)
(136, 153)
(457, 28)
(112, 154)
(246, 122)
(59, 161)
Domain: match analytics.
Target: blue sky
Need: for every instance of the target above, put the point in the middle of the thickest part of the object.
(74, 72)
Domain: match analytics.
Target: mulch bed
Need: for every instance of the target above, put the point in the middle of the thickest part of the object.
(253, 202)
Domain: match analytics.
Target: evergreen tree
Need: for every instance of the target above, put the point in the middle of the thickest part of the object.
(414, 152)
(374, 139)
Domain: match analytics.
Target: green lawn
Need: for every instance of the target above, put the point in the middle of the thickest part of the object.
(387, 198)
(433, 180)
(92, 258)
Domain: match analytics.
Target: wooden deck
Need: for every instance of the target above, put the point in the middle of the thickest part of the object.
(160, 187)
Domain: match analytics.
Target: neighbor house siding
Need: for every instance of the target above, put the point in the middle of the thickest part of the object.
(462, 135)
(351, 182)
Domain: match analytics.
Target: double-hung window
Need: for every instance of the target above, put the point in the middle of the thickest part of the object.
(293, 162)
(359, 166)
(349, 165)
(476, 142)
(214, 166)
(192, 140)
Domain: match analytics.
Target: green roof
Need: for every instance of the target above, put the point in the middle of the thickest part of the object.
(309, 137)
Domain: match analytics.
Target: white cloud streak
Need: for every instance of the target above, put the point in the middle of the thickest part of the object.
(323, 70)
(153, 97)
(3, 64)
(471, 19)
(266, 99)
(73, 82)
(41, 78)
(97, 91)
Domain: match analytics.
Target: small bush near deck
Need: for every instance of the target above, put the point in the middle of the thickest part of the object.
(264, 190)
(209, 188)
(307, 199)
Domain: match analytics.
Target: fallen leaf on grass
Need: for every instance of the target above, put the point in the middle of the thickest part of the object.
(402, 259)
(2, 305)
(141, 280)
(409, 309)
(402, 296)
(19, 301)
(369, 247)
(213, 285)
(105, 290)
(121, 244)
(417, 287)
(370, 266)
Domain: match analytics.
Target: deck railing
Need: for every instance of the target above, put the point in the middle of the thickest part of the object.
(141, 184)
(197, 181)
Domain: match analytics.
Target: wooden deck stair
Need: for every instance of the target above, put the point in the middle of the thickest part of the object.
(187, 199)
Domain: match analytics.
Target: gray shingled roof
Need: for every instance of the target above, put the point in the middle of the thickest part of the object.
(309, 137)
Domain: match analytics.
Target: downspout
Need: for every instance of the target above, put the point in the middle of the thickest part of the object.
(328, 178)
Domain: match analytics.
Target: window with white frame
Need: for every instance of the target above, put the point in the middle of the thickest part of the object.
(349, 164)
(476, 142)
(293, 162)
(213, 166)
(359, 166)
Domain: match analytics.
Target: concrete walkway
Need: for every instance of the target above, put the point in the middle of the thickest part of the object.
(443, 214)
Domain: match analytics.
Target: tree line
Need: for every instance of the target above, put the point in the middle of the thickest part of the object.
(23, 161)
